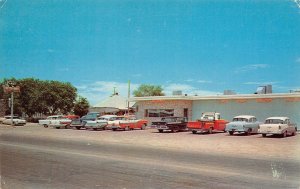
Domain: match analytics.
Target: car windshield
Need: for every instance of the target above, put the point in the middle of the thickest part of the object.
(209, 117)
(274, 121)
(240, 119)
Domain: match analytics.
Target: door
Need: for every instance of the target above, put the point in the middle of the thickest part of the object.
(185, 112)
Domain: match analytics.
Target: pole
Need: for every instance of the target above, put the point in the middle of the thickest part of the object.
(12, 106)
(128, 96)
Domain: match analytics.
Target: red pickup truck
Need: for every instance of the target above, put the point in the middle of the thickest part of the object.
(209, 122)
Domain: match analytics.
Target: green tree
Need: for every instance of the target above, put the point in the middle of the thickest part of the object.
(81, 106)
(148, 90)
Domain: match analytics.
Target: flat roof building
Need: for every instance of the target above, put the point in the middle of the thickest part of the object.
(259, 105)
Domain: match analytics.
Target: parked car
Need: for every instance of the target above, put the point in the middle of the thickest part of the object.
(61, 123)
(99, 123)
(277, 126)
(130, 123)
(171, 123)
(243, 124)
(80, 123)
(112, 120)
(46, 122)
(15, 121)
(2, 119)
(209, 122)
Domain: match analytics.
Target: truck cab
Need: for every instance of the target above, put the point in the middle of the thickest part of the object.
(208, 122)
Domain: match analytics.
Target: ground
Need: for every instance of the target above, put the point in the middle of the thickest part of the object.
(37, 157)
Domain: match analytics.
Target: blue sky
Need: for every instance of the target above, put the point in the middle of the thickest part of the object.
(199, 46)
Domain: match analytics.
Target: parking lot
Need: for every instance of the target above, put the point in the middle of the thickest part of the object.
(254, 146)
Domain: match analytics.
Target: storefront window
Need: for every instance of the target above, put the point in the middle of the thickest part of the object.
(159, 112)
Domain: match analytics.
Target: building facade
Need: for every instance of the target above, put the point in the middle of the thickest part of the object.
(261, 106)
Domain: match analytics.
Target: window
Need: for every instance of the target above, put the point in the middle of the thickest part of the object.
(159, 112)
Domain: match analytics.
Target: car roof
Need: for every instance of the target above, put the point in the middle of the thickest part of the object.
(245, 116)
(109, 116)
(281, 118)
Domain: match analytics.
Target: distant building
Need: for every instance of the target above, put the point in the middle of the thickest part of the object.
(114, 104)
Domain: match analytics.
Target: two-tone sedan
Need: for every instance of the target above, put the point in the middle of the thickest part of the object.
(98, 124)
(278, 126)
(243, 124)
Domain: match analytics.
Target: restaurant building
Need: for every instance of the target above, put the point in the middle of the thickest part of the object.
(259, 105)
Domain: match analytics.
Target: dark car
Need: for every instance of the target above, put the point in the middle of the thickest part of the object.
(173, 124)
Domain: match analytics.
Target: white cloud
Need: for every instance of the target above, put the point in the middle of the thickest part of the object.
(189, 80)
(297, 2)
(260, 83)
(98, 91)
(204, 81)
(251, 67)
(186, 89)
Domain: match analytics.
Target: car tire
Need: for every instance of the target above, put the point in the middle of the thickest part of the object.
(284, 134)
(231, 132)
(249, 132)
(45, 126)
(160, 130)
(293, 133)
(194, 132)
(264, 135)
(143, 127)
(57, 127)
(78, 128)
(95, 129)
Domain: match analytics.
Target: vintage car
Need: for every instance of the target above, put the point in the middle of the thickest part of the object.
(277, 126)
(130, 123)
(2, 119)
(80, 123)
(209, 122)
(243, 124)
(61, 123)
(46, 122)
(173, 124)
(112, 120)
(99, 123)
(15, 121)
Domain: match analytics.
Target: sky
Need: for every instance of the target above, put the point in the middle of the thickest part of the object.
(201, 47)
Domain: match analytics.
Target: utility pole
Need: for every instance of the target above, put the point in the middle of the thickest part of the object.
(128, 96)
(11, 88)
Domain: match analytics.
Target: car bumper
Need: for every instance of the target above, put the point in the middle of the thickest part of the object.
(163, 128)
(270, 132)
(94, 126)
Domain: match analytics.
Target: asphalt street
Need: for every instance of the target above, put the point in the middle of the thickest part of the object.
(33, 163)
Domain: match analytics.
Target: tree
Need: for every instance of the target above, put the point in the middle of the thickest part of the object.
(37, 96)
(81, 106)
(148, 90)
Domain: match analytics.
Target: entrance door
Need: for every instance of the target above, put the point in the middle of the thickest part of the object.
(185, 112)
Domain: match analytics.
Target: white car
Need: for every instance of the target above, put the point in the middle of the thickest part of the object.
(46, 122)
(62, 122)
(112, 120)
(15, 121)
(277, 126)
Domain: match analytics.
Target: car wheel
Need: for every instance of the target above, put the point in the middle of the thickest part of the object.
(249, 132)
(160, 130)
(45, 125)
(284, 134)
(231, 132)
(264, 135)
(143, 127)
(104, 128)
(210, 130)
(78, 128)
(57, 127)
(293, 133)
(95, 129)
(194, 132)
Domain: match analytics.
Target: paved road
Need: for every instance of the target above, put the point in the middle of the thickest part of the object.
(32, 162)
